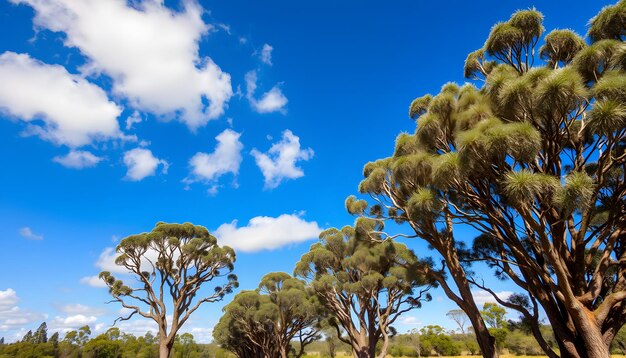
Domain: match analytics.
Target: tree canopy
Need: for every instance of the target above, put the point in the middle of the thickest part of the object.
(364, 284)
(174, 260)
(533, 158)
(264, 322)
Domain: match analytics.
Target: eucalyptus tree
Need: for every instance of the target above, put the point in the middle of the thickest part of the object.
(533, 158)
(364, 284)
(171, 263)
(460, 318)
(266, 322)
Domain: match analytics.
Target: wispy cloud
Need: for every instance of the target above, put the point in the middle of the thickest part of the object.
(28, 233)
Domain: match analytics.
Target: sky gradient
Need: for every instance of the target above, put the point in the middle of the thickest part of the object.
(251, 118)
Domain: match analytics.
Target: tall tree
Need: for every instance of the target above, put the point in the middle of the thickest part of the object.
(365, 284)
(171, 263)
(267, 321)
(41, 334)
(534, 160)
(28, 337)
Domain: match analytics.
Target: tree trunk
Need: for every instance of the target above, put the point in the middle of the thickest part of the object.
(165, 348)
(485, 340)
(593, 341)
(283, 351)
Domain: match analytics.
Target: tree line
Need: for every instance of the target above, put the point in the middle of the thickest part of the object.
(113, 343)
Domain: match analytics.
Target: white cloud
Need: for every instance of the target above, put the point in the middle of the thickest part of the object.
(279, 162)
(68, 323)
(28, 233)
(142, 163)
(202, 335)
(72, 111)
(266, 54)
(225, 159)
(8, 299)
(150, 51)
(78, 159)
(133, 119)
(93, 281)
(78, 309)
(271, 101)
(106, 261)
(139, 326)
(13, 317)
(410, 321)
(482, 297)
(266, 233)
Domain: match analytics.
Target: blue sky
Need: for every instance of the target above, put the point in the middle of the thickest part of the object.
(252, 118)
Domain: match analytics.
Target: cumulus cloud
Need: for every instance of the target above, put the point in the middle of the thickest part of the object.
(142, 163)
(78, 159)
(150, 52)
(28, 233)
(271, 101)
(279, 163)
(267, 233)
(58, 106)
(69, 323)
(13, 317)
(209, 167)
(482, 297)
(266, 54)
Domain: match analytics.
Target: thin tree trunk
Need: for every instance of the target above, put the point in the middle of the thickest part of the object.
(485, 340)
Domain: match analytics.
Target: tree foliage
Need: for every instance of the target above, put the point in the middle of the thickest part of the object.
(533, 159)
(175, 261)
(364, 284)
(265, 322)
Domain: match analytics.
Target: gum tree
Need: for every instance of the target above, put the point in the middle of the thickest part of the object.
(265, 322)
(534, 160)
(171, 263)
(364, 284)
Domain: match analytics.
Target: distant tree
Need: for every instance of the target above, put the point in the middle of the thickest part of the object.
(268, 320)
(434, 337)
(533, 159)
(41, 334)
(54, 338)
(79, 337)
(460, 318)
(184, 345)
(494, 315)
(174, 260)
(28, 337)
(105, 345)
(365, 284)
(1, 340)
